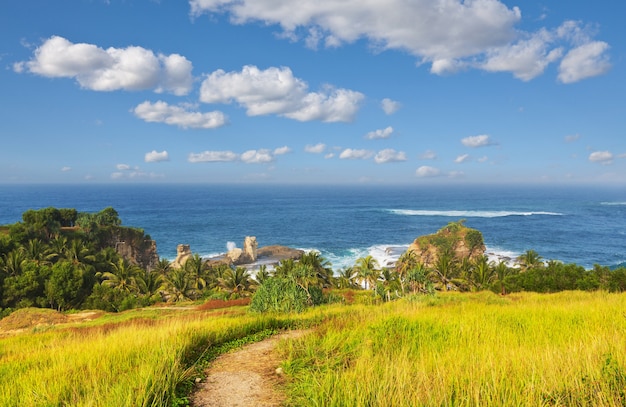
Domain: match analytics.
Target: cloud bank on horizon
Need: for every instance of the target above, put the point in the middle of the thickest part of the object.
(453, 39)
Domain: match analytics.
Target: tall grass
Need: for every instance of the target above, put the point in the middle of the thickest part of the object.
(138, 362)
(467, 350)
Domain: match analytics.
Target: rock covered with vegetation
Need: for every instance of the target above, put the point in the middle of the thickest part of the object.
(454, 239)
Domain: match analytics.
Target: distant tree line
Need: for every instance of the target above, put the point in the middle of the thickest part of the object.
(64, 259)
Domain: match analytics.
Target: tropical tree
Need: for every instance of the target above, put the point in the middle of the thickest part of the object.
(38, 252)
(501, 270)
(444, 270)
(179, 285)
(320, 266)
(482, 273)
(417, 278)
(123, 277)
(262, 274)
(407, 261)
(63, 286)
(388, 282)
(284, 268)
(530, 260)
(237, 282)
(368, 270)
(347, 278)
(14, 262)
(196, 270)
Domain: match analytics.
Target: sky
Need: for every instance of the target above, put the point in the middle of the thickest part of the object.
(313, 91)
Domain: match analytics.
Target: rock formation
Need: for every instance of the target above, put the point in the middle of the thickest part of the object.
(183, 253)
(142, 253)
(246, 255)
(457, 239)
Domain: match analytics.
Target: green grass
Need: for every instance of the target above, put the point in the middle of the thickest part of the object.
(446, 350)
(467, 350)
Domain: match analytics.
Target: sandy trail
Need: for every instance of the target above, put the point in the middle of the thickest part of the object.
(246, 377)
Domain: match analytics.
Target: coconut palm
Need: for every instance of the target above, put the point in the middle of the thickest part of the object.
(179, 285)
(163, 266)
(14, 262)
(261, 275)
(320, 266)
(284, 268)
(444, 270)
(122, 277)
(347, 278)
(38, 252)
(388, 282)
(529, 260)
(482, 273)
(407, 261)
(368, 270)
(417, 277)
(196, 269)
(236, 282)
(501, 270)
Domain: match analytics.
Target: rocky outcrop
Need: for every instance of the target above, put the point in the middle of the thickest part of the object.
(183, 253)
(246, 255)
(134, 247)
(279, 253)
(455, 238)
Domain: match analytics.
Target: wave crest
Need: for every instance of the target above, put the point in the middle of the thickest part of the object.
(469, 214)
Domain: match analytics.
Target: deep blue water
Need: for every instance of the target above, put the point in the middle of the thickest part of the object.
(581, 225)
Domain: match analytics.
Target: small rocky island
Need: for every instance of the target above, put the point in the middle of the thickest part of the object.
(249, 256)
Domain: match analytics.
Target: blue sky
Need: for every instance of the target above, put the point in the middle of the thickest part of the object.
(313, 91)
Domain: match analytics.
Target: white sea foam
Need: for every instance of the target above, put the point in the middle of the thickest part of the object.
(613, 203)
(230, 246)
(469, 214)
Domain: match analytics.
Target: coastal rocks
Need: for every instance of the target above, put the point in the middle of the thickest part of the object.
(183, 253)
(144, 254)
(456, 239)
(246, 255)
(278, 253)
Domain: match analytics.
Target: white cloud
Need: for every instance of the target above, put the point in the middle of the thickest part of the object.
(155, 157)
(123, 167)
(161, 112)
(380, 133)
(572, 137)
(350, 154)
(601, 157)
(277, 91)
(526, 59)
(262, 156)
(390, 106)
(389, 155)
(426, 171)
(329, 155)
(477, 141)
(213, 156)
(428, 155)
(421, 28)
(483, 159)
(462, 158)
(282, 150)
(135, 174)
(94, 68)
(585, 61)
(448, 34)
(315, 149)
(66, 169)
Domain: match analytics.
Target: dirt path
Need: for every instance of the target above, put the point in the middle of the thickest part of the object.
(246, 377)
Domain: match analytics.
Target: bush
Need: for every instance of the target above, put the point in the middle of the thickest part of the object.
(279, 295)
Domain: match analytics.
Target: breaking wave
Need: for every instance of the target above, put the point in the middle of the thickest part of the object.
(469, 214)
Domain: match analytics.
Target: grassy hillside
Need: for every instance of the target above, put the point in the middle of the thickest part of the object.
(450, 349)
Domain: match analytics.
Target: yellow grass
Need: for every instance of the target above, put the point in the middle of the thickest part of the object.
(468, 350)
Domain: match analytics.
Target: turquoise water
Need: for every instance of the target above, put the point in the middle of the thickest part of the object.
(582, 225)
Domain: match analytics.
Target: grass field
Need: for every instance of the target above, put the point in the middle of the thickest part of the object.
(448, 350)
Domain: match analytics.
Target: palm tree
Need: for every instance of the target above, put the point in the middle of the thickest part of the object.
(417, 277)
(529, 260)
(196, 269)
(482, 273)
(261, 275)
(284, 268)
(38, 252)
(14, 262)
(320, 266)
(236, 282)
(407, 261)
(179, 285)
(501, 271)
(444, 269)
(123, 277)
(151, 283)
(58, 246)
(368, 270)
(347, 278)
(387, 282)
(163, 266)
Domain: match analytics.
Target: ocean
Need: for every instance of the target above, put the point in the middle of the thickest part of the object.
(582, 225)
